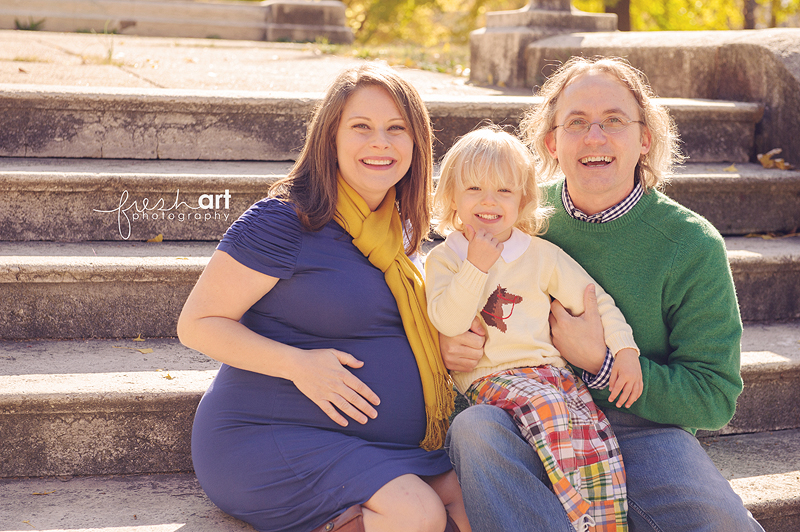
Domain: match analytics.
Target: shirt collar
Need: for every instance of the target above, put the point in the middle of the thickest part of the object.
(513, 248)
(612, 213)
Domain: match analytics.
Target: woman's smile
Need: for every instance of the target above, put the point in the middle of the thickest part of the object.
(373, 144)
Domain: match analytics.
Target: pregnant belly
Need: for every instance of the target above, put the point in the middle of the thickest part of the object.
(242, 396)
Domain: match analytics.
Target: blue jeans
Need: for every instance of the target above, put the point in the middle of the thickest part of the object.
(672, 484)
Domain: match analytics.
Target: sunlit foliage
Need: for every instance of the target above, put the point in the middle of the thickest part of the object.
(435, 22)
(649, 15)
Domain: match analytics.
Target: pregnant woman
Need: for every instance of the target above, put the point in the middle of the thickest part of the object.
(330, 408)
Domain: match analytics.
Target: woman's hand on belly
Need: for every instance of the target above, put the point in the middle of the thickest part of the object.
(323, 377)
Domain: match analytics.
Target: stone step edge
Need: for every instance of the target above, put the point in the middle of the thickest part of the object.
(31, 261)
(183, 124)
(155, 99)
(21, 174)
(764, 470)
(146, 503)
(64, 372)
(105, 375)
(55, 193)
(161, 500)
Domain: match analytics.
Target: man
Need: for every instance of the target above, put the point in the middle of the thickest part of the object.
(668, 272)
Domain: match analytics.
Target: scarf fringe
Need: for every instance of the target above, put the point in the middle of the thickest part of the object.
(439, 417)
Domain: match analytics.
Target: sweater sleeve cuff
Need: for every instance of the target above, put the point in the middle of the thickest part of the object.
(471, 278)
(621, 340)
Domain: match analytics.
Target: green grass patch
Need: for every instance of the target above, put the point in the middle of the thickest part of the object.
(447, 58)
(29, 59)
(31, 25)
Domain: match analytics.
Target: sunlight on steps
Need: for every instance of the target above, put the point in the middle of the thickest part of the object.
(171, 527)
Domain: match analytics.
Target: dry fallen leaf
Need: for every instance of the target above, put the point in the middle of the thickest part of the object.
(43, 492)
(139, 338)
(732, 168)
(23, 71)
(168, 377)
(772, 236)
(143, 351)
(157, 238)
(767, 161)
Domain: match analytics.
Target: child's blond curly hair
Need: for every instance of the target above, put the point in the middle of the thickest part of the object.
(499, 159)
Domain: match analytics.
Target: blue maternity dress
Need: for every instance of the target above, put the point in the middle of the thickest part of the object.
(264, 452)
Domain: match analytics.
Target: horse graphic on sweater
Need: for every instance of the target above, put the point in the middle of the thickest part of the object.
(493, 313)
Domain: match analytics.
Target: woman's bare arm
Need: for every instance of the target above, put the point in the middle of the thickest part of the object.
(210, 324)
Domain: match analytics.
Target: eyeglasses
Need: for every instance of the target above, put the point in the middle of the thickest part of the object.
(610, 125)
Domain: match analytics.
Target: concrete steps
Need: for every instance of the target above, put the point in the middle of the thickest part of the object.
(100, 425)
(764, 470)
(141, 503)
(741, 198)
(171, 502)
(771, 373)
(229, 125)
(99, 407)
(122, 289)
(97, 199)
(96, 289)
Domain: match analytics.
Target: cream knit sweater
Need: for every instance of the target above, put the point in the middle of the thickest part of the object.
(513, 302)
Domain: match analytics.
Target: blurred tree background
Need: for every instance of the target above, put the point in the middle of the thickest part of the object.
(432, 23)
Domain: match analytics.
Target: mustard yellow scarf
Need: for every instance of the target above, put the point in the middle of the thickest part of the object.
(379, 236)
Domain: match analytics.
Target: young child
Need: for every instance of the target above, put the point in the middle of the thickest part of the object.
(494, 266)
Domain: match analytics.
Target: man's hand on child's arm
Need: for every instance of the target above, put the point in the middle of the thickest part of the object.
(462, 352)
(626, 378)
(483, 250)
(579, 339)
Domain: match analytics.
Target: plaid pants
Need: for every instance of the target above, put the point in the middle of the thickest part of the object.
(557, 417)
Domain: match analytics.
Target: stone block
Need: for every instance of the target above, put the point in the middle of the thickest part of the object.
(497, 52)
(748, 66)
(276, 20)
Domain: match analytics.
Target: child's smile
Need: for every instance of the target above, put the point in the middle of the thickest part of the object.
(492, 208)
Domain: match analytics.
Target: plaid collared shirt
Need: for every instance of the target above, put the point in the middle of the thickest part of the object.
(602, 378)
(612, 213)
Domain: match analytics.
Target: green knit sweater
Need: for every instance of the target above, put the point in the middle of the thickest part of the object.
(667, 270)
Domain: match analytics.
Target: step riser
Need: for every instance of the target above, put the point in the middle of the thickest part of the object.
(768, 402)
(105, 208)
(145, 435)
(739, 206)
(161, 124)
(783, 520)
(86, 439)
(113, 304)
(767, 291)
(120, 309)
(59, 207)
